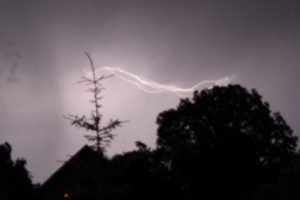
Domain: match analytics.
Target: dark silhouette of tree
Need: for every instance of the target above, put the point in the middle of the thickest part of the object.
(103, 134)
(223, 142)
(287, 187)
(15, 181)
(139, 175)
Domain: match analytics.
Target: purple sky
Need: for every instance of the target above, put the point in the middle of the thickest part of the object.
(179, 42)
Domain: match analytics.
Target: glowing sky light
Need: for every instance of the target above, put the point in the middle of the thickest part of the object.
(260, 47)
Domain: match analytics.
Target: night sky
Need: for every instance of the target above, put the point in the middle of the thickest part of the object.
(173, 42)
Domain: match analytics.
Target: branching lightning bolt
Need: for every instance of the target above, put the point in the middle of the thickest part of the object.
(153, 87)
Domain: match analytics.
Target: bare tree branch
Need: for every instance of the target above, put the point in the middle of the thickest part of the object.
(102, 135)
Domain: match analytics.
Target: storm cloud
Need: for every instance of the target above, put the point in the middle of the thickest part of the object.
(176, 42)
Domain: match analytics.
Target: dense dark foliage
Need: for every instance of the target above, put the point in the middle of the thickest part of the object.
(287, 187)
(15, 181)
(139, 175)
(225, 141)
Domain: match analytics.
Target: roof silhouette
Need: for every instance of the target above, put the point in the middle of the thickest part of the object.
(74, 179)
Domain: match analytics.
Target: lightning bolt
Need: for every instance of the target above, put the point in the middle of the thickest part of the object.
(154, 88)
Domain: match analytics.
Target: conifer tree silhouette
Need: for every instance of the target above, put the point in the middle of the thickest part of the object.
(102, 134)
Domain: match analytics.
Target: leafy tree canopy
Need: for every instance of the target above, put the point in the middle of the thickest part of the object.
(224, 137)
(15, 181)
